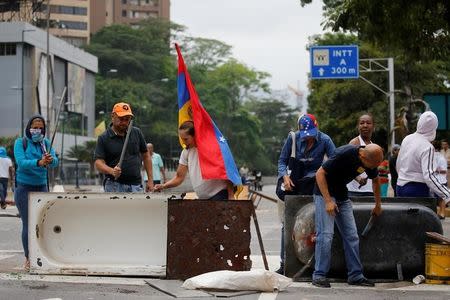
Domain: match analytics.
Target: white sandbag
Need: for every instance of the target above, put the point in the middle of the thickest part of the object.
(254, 280)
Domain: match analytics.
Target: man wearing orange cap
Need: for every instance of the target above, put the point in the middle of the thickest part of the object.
(127, 177)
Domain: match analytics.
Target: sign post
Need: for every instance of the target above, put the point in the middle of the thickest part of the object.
(334, 62)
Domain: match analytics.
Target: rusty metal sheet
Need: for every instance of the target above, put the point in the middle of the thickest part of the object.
(207, 235)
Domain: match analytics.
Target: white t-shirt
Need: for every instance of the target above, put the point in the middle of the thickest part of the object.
(204, 189)
(441, 165)
(5, 164)
(353, 186)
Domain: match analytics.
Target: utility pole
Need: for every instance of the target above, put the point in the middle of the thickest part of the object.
(48, 69)
(391, 100)
(23, 80)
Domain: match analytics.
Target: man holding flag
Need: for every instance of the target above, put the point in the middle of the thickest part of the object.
(212, 189)
(206, 156)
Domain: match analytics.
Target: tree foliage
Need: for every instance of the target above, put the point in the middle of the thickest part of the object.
(420, 28)
(338, 103)
(84, 152)
(237, 97)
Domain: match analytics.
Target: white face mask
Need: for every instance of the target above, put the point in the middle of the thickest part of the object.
(36, 135)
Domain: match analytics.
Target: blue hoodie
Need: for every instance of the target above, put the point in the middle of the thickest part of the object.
(28, 172)
(3, 152)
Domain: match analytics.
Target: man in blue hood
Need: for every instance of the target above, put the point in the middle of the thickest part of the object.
(33, 158)
(6, 173)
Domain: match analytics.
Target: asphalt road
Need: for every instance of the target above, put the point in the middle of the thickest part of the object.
(16, 284)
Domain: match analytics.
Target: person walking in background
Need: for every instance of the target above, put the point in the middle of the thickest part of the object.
(212, 189)
(6, 176)
(392, 167)
(441, 174)
(416, 164)
(157, 167)
(332, 206)
(243, 172)
(383, 177)
(445, 151)
(311, 147)
(33, 158)
(362, 185)
(127, 177)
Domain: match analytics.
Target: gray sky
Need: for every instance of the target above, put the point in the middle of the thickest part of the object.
(267, 35)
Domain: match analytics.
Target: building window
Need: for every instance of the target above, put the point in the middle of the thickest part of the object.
(7, 49)
(68, 10)
(124, 13)
(73, 25)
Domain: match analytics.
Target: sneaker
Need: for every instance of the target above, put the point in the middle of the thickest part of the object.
(362, 282)
(3, 205)
(321, 282)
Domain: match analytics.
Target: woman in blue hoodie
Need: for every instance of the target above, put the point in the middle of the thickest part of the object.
(33, 157)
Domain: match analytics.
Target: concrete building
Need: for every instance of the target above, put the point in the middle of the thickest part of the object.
(23, 83)
(108, 12)
(69, 19)
(76, 20)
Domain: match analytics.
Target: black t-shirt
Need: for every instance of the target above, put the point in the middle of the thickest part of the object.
(342, 167)
(109, 147)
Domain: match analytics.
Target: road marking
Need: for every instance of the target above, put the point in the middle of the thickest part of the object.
(2, 256)
(268, 296)
(72, 279)
(11, 251)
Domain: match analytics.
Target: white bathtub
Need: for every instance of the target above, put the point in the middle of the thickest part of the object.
(98, 234)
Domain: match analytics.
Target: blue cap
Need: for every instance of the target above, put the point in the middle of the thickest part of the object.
(307, 125)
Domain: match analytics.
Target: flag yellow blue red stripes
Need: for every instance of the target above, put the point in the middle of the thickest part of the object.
(216, 160)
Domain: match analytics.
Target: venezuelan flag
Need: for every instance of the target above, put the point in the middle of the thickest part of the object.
(216, 160)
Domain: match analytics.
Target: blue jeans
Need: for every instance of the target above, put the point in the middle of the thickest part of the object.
(346, 225)
(116, 187)
(221, 195)
(21, 199)
(3, 189)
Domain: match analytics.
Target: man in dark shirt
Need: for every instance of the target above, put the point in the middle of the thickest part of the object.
(332, 204)
(127, 177)
(311, 145)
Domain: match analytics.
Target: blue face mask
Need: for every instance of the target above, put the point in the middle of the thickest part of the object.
(36, 135)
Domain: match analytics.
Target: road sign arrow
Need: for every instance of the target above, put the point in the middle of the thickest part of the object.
(321, 70)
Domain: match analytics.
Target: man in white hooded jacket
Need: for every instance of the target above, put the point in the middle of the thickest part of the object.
(415, 162)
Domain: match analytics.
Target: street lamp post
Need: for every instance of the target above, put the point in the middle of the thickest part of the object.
(110, 71)
(23, 79)
(61, 168)
(77, 185)
(48, 67)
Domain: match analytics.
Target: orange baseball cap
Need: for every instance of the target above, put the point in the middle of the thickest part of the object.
(122, 109)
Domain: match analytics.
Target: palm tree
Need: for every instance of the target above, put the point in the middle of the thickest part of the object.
(84, 153)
